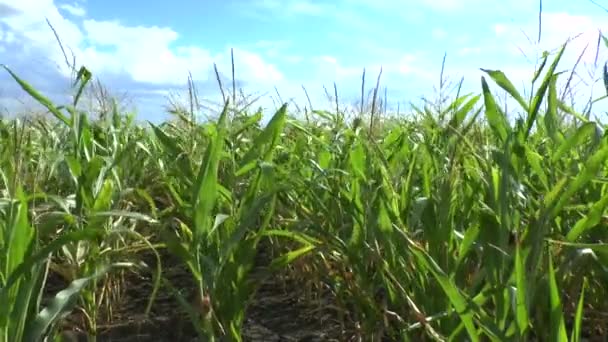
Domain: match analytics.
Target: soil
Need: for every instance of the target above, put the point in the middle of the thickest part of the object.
(277, 311)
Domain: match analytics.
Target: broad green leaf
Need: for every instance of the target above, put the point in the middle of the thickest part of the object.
(38, 97)
(470, 238)
(291, 256)
(535, 163)
(206, 189)
(62, 304)
(538, 71)
(590, 170)
(523, 319)
(542, 89)
(250, 122)
(174, 150)
(550, 118)
(501, 79)
(461, 114)
(123, 213)
(458, 300)
(575, 336)
(357, 161)
(265, 142)
(567, 109)
(20, 237)
(293, 235)
(496, 118)
(589, 221)
(102, 203)
(585, 131)
(557, 327)
(55, 245)
(598, 247)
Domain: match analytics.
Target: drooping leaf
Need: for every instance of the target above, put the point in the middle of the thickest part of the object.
(61, 304)
(496, 118)
(501, 79)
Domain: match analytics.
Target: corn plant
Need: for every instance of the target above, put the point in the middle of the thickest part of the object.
(218, 229)
(462, 221)
(84, 221)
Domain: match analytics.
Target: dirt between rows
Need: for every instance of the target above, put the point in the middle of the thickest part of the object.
(277, 311)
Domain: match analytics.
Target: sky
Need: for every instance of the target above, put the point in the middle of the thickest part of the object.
(143, 51)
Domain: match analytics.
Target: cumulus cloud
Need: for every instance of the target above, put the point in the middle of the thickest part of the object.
(581, 32)
(74, 9)
(585, 50)
(141, 59)
(144, 53)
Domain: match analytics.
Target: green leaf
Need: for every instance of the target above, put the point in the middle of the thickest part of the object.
(357, 161)
(38, 97)
(251, 121)
(83, 77)
(496, 118)
(290, 257)
(458, 300)
(537, 73)
(265, 142)
(598, 247)
(523, 320)
(534, 159)
(460, 115)
(20, 237)
(88, 234)
(501, 79)
(578, 318)
(584, 132)
(103, 202)
(590, 170)
(293, 235)
(123, 213)
(174, 150)
(551, 120)
(470, 236)
(206, 189)
(589, 221)
(557, 327)
(542, 89)
(62, 304)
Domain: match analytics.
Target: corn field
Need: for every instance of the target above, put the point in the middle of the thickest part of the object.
(450, 224)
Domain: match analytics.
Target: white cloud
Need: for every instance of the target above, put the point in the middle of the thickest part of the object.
(557, 28)
(6, 36)
(143, 54)
(142, 60)
(74, 9)
(513, 48)
(406, 64)
(252, 67)
(519, 42)
(28, 25)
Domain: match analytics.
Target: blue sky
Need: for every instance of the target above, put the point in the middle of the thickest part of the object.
(147, 48)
